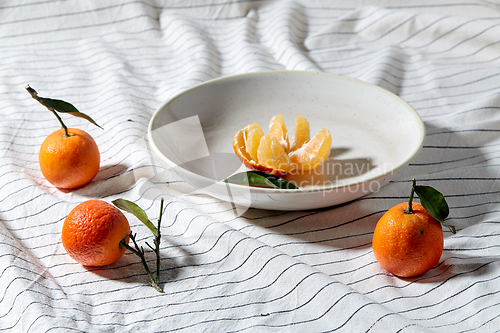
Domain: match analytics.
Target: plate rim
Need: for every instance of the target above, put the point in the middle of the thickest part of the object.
(421, 127)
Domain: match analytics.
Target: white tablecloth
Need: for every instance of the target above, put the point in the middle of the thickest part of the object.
(264, 271)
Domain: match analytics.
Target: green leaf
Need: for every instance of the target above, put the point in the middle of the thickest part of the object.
(260, 178)
(84, 116)
(58, 105)
(434, 203)
(137, 211)
(65, 107)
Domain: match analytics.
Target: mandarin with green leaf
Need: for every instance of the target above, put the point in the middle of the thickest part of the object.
(69, 158)
(408, 244)
(408, 239)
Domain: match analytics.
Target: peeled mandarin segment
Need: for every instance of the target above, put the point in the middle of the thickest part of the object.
(301, 134)
(313, 153)
(239, 145)
(272, 155)
(253, 135)
(250, 128)
(277, 129)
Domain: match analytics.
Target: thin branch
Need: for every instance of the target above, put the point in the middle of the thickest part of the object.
(157, 243)
(140, 253)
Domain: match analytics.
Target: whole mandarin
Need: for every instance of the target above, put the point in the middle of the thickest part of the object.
(69, 162)
(406, 244)
(92, 232)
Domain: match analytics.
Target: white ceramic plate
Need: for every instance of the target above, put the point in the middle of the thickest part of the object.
(374, 132)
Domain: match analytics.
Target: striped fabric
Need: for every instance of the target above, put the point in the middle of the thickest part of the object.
(265, 271)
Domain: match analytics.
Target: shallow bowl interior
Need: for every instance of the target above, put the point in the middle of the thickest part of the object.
(375, 133)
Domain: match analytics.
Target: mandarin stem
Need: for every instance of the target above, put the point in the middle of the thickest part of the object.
(128, 247)
(34, 94)
(409, 210)
(66, 133)
(157, 243)
(140, 253)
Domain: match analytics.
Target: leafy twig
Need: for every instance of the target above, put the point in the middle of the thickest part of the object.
(139, 251)
(157, 243)
(138, 212)
(433, 202)
(54, 105)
